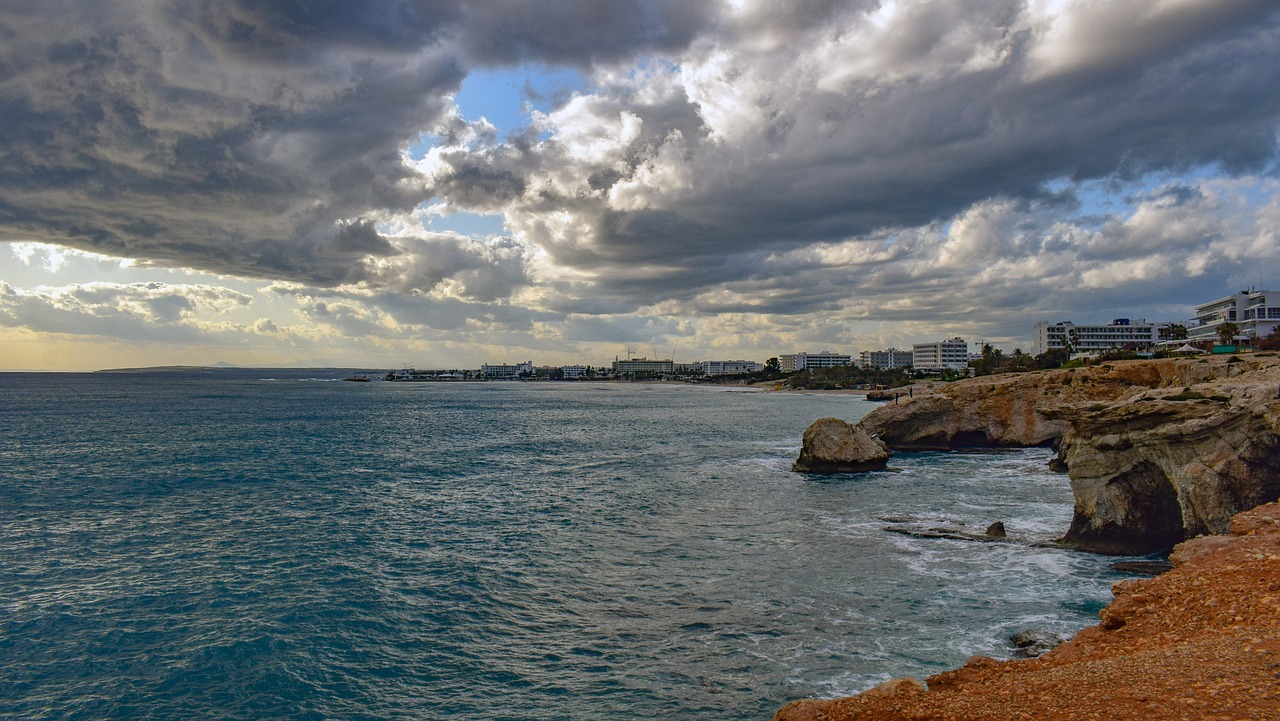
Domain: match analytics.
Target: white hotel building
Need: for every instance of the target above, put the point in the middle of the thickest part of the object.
(1256, 313)
(793, 362)
(503, 371)
(1095, 338)
(950, 354)
(730, 367)
(886, 359)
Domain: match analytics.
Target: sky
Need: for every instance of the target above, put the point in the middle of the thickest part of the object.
(445, 183)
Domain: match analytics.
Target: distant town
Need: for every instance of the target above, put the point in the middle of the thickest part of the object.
(1246, 320)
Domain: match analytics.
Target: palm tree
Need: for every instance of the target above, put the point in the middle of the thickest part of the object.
(1227, 332)
(1072, 343)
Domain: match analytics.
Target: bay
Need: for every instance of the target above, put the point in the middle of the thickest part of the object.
(271, 545)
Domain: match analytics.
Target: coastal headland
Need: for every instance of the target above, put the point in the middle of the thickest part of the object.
(1176, 453)
(1201, 641)
(1157, 451)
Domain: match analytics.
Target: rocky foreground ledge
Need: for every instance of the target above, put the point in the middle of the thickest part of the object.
(1199, 642)
(1158, 451)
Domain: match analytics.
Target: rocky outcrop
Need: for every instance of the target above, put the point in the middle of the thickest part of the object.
(1201, 641)
(1157, 451)
(1169, 464)
(834, 446)
(1015, 410)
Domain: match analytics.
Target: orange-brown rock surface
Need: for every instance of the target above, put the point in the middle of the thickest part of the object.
(1199, 642)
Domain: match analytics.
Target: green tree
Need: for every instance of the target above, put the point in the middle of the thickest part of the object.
(772, 366)
(1227, 333)
(1052, 358)
(1173, 331)
(1019, 362)
(990, 362)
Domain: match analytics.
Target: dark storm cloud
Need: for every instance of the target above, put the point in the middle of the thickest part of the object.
(257, 139)
(579, 32)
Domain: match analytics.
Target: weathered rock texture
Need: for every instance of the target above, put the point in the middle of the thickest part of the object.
(1168, 464)
(1158, 451)
(1017, 409)
(834, 446)
(1199, 642)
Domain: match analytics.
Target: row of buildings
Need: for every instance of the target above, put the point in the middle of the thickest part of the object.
(1254, 313)
(621, 368)
(949, 354)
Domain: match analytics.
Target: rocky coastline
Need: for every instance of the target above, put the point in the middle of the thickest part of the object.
(1201, 641)
(1157, 451)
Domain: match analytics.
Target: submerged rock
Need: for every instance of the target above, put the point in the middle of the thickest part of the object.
(1142, 568)
(993, 533)
(1033, 643)
(834, 446)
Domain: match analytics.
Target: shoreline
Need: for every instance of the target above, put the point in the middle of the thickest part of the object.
(1200, 641)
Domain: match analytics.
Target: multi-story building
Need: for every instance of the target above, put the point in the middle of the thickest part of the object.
(1119, 333)
(643, 366)
(885, 359)
(1256, 314)
(575, 372)
(793, 362)
(730, 367)
(502, 371)
(950, 354)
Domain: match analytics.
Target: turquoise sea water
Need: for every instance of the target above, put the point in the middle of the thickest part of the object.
(233, 546)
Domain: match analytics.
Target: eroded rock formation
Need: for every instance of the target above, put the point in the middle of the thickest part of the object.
(1158, 451)
(834, 446)
(1201, 641)
(1169, 464)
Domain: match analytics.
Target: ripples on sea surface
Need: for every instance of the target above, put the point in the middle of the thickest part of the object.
(216, 545)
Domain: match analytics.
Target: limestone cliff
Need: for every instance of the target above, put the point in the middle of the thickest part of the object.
(1199, 642)
(1158, 451)
(1167, 464)
(1018, 409)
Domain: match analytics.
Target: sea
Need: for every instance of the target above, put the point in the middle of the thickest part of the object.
(266, 544)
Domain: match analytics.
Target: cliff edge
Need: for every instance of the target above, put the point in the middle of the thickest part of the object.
(1199, 642)
(1158, 451)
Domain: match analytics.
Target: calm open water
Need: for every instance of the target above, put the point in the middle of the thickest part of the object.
(227, 546)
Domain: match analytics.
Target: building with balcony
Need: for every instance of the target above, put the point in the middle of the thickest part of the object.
(1256, 314)
(793, 362)
(949, 354)
(500, 371)
(643, 367)
(885, 359)
(1092, 339)
(574, 372)
(730, 367)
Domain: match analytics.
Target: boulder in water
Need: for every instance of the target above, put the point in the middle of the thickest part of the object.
(834, 446)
